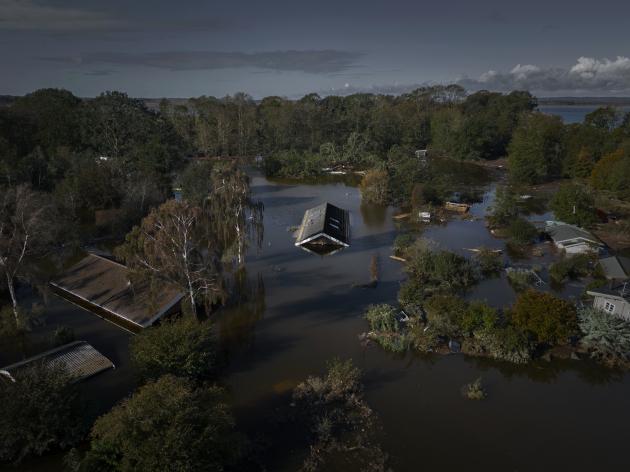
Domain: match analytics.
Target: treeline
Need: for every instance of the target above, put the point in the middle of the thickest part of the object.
(108, 152)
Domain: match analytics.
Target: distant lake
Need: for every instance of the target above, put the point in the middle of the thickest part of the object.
(573, 113)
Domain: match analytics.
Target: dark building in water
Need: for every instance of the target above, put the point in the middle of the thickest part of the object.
(325, 229)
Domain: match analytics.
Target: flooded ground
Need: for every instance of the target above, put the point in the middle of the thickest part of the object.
(305, 310)
(545, 416)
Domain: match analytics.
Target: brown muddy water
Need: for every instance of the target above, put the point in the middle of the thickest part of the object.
(308, 310)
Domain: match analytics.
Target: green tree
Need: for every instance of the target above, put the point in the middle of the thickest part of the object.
(536, 150)
(184, 347)
(547, 318)
(522, 231)
(166, 425)
(40, 412)
(374, 186)
(574, 204)
(445, 314)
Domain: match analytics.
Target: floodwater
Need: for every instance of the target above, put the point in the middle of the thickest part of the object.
(574, 113)
(560, 415)
(304, 310)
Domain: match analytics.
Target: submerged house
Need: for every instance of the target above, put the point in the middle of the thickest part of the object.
(615, 301)
(78, 359)
(325, 229)
(615, 268)
(572, 239)
(103, 286)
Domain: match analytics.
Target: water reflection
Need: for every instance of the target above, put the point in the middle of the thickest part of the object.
(373, 215)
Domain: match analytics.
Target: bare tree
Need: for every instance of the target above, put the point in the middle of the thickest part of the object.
(26, 231)
(171, 245)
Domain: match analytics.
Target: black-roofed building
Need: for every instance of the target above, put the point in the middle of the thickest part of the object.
(78, 359)
(325, 229)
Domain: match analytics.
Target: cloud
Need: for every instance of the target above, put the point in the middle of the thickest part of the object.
(28, 15)
(587, 75)
(313, 61)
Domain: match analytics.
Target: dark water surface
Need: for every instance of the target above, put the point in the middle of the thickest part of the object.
(547, 416)
(563, 415)
(574, 113)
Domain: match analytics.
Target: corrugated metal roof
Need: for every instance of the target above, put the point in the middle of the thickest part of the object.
(79, 359)
(325, 219)
(105, 284)
(616, 267)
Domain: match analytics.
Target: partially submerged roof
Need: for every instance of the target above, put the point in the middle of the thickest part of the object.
(78, 359)
(620, 293)
(326, 223)
(616, 267)
(103, 286)
(560, 232)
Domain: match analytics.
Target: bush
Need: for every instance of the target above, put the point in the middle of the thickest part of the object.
(477, 316)
(504, 343)
(183, 347)
(374, 186)
(40, 412)
(606, 337)
(489, 262)
(547, 318)
(574, 204)
(474, 390)
(571, 267)
(382, 318)
(339, 422)
(522, 231)
(166, 424)
(445, 314)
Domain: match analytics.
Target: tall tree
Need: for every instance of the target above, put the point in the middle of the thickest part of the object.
(170, 245)
(26, 231)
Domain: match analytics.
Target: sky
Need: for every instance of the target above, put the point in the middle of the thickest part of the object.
(159, 48)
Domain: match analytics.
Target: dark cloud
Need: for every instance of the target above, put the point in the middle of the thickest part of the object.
(314, 61)
(586, 75)
(99, 73)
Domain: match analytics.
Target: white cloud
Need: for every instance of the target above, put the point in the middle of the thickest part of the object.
(587, 75)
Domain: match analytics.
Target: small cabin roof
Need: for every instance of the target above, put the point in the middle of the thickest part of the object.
(616, 267)
(560, 232)
(325, 220)
(104, 284)
(79, 359)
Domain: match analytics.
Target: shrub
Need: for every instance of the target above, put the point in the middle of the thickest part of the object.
(40, 412)
(489, 262)
(477, 316)
(522, 231)
(606, 337)
(374, 186)
(505, 343)
(474, 390)
(339, 422)
(574, 204)
(547, 318)
(571, 267)
(445, 314)
(184, 347)
(166, 424)
(382, 318)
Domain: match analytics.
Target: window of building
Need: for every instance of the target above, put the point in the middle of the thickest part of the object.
(609, 307)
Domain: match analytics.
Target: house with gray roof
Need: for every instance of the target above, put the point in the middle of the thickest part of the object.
(104, 287)
(325, 229)
(616, 268)
(572, 239)
(615, 301)
(78, 359)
